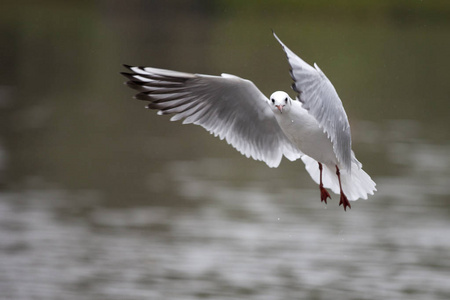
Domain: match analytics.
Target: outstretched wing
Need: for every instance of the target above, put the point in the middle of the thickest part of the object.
(319, 97)
(227, 106)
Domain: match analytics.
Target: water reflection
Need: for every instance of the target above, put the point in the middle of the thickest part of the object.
(104, 200)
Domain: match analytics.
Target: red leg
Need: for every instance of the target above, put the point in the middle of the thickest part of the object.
(344, 199)
(323, 192)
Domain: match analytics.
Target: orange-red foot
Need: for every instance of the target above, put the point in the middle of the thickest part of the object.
(344, 201)
(324, 194)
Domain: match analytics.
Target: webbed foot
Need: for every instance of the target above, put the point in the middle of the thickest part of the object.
(324, 194)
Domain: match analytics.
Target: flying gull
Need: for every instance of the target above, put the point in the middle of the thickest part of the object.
(313, 127)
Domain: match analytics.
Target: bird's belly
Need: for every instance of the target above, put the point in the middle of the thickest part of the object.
(305, 133)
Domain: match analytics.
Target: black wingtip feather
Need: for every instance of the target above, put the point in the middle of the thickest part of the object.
(294, 87)
(136, 85)
(154, 106)
(128, 75)
(291, 72)
(142, 96)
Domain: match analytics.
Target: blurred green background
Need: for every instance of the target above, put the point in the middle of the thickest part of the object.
(100, 198)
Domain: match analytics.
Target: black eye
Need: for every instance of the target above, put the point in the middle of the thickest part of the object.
(273, 101)
(285, 100)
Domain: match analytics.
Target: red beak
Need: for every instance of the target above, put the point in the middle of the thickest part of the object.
(280, 108)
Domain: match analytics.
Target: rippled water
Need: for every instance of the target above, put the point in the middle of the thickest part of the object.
(101, 199)
(253, 240)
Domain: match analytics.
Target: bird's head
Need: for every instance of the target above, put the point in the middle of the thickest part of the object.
(280, 102)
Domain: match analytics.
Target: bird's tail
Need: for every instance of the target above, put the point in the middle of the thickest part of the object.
(355, 184)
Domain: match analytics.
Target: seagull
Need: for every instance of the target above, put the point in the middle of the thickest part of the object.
(313, 127)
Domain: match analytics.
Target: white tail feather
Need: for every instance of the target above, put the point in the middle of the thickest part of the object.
(355, 185)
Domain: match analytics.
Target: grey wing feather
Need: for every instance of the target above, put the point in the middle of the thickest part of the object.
(227, 106)
(320, 99)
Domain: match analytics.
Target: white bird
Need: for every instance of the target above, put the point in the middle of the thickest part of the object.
(313, 127)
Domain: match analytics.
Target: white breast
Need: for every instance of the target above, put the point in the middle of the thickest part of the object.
(304, 131)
